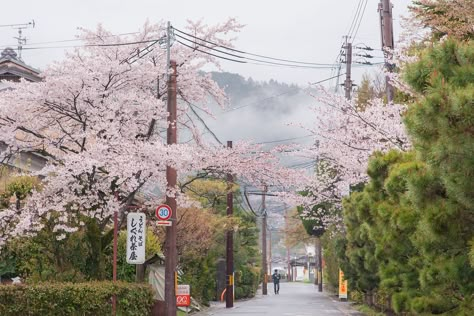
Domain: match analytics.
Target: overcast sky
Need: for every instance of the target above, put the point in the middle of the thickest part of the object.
(305, 30)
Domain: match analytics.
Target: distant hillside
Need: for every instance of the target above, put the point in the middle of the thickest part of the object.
(268, 95)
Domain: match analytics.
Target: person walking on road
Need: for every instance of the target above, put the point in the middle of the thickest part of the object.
(276, 281)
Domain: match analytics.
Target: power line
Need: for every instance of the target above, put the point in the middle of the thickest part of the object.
(72, 40)
(191, 106)
(211, 54)
(303, 165)
(360, 21)
(252, 54)
(318, 82)
(278, 95)
(244, 60)
(93, 45)
(283, 140)
(259, 101)
(354, 19)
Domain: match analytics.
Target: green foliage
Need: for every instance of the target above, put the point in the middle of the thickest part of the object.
(404, 223)
(127, 272)
(200, 269)
(442, 122)
(200, 273)
(369, 89)
(93, 298)
(45, 258)
(331, 243)
(410, 231)
(247, 280)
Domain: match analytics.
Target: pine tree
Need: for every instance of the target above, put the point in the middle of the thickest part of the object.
(441, 124)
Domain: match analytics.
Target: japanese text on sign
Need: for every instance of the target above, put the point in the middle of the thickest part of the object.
(183, 295)
(136, 236)
(342, 285)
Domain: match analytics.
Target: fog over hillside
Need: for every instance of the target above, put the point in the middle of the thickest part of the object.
(260, 111)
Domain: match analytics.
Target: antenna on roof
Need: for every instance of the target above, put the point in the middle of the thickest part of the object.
(20, 38)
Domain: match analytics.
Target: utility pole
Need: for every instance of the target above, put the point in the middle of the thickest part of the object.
(287, 215)
(336, 89)
(270, 251)
(288, 262)
(320, 264)
(386, 31)
(229, 300)
(171, 178)
(264, 243)
(348, 81)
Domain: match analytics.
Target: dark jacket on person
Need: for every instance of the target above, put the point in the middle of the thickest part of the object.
(276, 277)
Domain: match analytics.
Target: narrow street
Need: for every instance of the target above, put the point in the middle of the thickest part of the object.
(295, 299)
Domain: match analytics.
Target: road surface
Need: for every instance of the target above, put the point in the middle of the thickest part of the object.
(295, 299)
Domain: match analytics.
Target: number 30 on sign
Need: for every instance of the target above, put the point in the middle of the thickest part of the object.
(163, 212)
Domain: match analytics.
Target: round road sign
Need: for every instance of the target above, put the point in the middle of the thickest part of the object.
(163, 212)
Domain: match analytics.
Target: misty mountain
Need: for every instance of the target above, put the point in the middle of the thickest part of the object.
(260, 110)
(264, 96)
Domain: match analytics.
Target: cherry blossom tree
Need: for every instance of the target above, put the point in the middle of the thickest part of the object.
(346, 135)
(445, 17)
(97, 118)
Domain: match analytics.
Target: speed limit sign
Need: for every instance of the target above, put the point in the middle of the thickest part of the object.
(163, 212)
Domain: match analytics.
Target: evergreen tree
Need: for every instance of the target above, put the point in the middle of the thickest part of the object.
(441, 123)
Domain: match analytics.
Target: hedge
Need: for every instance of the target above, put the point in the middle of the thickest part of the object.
(91, 298)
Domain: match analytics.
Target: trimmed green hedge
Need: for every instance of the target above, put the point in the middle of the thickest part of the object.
(92, 298)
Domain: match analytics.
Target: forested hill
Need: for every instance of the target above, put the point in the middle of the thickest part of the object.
(267, 95)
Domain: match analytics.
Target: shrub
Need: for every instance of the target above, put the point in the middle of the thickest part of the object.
(247, 280)
(92, 298)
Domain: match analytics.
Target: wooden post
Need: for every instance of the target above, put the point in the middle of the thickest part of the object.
(171, 177)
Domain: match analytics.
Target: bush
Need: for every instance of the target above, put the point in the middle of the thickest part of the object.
(92, 298)
(247, 280)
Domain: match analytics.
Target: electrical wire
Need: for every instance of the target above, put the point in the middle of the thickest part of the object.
(360, 21)
(318, 82)
(211, 54)
(245, 60)
(251, 54)
(259, 101)
(92, 45)
(69, 40)
(283, 140)
(354, 19)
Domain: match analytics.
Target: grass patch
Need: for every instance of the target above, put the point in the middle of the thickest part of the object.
(366, 310)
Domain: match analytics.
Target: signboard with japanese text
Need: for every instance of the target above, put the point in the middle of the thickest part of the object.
(183, 295)
(136, 236)
(342, 286)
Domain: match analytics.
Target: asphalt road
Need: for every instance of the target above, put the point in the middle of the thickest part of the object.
(295, 299)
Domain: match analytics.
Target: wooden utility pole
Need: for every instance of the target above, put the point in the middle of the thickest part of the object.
(287, 215)
(320, 264)
(270, 251)
(114, 259)
(229, 300)
(348, 81)
(171, 178)
(386, 31)
(264, 243)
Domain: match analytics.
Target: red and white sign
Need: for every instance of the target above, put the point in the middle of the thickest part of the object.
(183, 295)
(163, 223)
(163, 212)
(183, 300)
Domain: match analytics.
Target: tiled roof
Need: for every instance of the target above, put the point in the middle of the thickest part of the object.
(10, 64)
